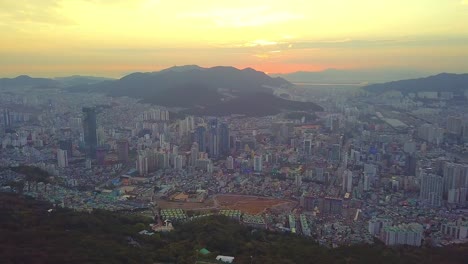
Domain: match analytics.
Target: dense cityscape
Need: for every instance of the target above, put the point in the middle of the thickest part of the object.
(257, 132)
(390, 167)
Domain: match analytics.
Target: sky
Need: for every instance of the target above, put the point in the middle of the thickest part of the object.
(48, 38)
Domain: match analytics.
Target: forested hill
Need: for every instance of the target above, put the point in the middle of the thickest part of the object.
(215, 91)
(31, 234)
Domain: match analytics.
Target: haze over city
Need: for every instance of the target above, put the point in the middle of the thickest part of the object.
(207, 132)
(50, 38)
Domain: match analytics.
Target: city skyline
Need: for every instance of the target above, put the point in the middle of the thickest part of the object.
(114, 38)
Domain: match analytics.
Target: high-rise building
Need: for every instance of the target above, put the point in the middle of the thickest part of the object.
(88, 164)
(66, 144)
(455, 176)
(179, 162)
(404, 234)
(410, 164)
(200, 138)
(366, 182)
(335, 153)
(457, 229)
(62, 158)
(76, 122)
(307, 146)
(194, 154)
(213, 138)
(89, 129)
(190, 123)
(455, 184)
(224, 141)
(431, 189)
(308, 202)
(152, 157)
(186, 125)
(101, 136)
(376, 225)
(347, 184)
(209, 167)
(330, 205)
(165, 115)
(298, 180)
(430, 133)
(175, 150)
(454, 125)
(122, 150)
(237, 145)
(101, 155)
(319, 173)
(162, 160)
(230, 163)
(142, 164)
(465, 132)
(258, 164)
(457, 196)
(6, 118)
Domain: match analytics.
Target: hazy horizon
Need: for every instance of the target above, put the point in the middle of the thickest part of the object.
(365, 70)
(114, 38)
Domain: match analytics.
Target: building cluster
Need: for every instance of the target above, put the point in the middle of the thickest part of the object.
(393, 166)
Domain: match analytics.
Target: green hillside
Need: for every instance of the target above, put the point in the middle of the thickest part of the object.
(31, 234)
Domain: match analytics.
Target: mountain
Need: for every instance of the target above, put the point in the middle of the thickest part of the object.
(26, 81)
(32, 233)
(334, 76)
(183, 68)
(211, 91)
(237, 81)
(80, 80)
(444, 82)
(143, 84)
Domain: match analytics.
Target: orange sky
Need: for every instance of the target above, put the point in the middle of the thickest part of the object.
(116, 37)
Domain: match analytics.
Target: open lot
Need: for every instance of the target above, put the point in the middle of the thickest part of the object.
(245, 203)
(250, 204)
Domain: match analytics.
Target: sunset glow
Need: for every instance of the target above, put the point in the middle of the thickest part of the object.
(116, 37)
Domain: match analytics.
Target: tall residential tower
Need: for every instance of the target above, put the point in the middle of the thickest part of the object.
(89, 129)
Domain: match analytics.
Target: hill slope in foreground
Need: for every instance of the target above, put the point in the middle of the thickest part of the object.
(30, 234)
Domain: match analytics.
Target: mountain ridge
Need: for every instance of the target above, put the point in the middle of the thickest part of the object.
(74, 80)
(342, 76)
(442, 82)
(207, 91)
(27, 81)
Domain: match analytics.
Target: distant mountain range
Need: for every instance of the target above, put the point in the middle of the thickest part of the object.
(26, 81)
(80, 80)
(444, 82)
(204, 91)
(334, 76)
(184, 77)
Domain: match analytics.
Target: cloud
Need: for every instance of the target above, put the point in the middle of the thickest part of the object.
(259, 43)
(243, 17)
(42, 12)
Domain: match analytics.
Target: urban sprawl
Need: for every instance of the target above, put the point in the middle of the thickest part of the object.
(388, 167)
